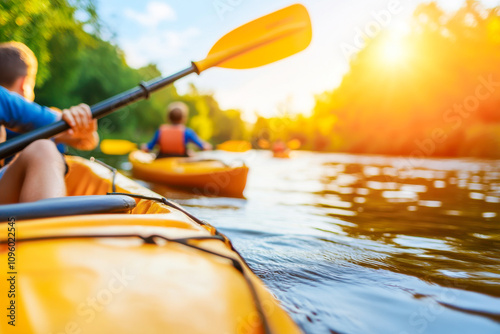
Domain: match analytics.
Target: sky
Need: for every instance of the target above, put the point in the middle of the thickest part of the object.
(172, 33)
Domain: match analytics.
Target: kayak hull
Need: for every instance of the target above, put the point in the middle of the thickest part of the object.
(281, 155)
(129, 273)
(208, 178)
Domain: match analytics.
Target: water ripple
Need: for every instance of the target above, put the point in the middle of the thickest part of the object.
(358, 244)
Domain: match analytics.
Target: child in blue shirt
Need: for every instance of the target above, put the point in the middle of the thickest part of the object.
(173, 138)
(38, 171)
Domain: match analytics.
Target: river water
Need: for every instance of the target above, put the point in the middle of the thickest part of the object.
(368, 244)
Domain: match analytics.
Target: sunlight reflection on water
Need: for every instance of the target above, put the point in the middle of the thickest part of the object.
(352, 244)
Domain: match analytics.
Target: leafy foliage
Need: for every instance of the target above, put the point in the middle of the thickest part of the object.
(434, 91)
(76, 65)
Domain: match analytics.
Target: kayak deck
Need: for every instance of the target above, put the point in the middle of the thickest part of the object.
(151, 270)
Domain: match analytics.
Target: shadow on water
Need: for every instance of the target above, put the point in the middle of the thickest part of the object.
(364, 244)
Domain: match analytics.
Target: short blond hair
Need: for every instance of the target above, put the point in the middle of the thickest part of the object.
(16, 60)
(177, 112)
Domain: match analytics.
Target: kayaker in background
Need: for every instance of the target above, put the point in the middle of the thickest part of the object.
(280, 149)
(38, 171)
(279, 146)
(173, 138)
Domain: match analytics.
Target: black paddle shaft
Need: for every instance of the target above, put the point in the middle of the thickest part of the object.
(99, 110)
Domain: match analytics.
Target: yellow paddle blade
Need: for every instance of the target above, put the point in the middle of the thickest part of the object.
(294, 144)
(235, 146)
(117, 146)
(262, 41)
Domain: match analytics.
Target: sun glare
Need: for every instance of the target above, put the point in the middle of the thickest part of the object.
(392, 53)
(392, 49)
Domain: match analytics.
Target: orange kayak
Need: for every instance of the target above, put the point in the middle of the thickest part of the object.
(281, 155)
(204, 177)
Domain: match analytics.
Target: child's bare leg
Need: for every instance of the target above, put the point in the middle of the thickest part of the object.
(37, 173)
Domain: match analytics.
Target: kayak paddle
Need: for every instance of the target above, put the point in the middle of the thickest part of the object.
(235, 146)
(122, 146)
(117, 146)
(257, 43)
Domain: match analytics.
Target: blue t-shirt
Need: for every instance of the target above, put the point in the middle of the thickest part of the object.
(189, 137)
(19, 115)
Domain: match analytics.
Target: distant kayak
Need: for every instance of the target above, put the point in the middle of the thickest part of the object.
(207, 177)
(282, 155)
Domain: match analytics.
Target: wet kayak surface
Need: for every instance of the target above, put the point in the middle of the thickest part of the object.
(369, 244)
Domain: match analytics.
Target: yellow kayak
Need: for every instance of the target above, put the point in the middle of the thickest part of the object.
(206, 177)
(148, 267)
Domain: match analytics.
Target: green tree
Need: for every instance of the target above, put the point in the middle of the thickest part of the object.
(77, 65)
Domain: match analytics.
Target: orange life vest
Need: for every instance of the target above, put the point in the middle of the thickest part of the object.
(172, 139)
(279, 147)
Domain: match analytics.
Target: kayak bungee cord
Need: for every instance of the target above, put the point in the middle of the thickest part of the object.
(169, 203)
(111, 168)
(185, 241)
(151, 240)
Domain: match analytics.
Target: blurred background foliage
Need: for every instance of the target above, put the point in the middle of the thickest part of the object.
(76, 65)
(433, 90)
(409, 92)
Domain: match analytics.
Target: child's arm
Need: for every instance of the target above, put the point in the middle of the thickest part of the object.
(85, 139)
(83, 132)
(192, 137)
(21, 116)
(149, 146)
